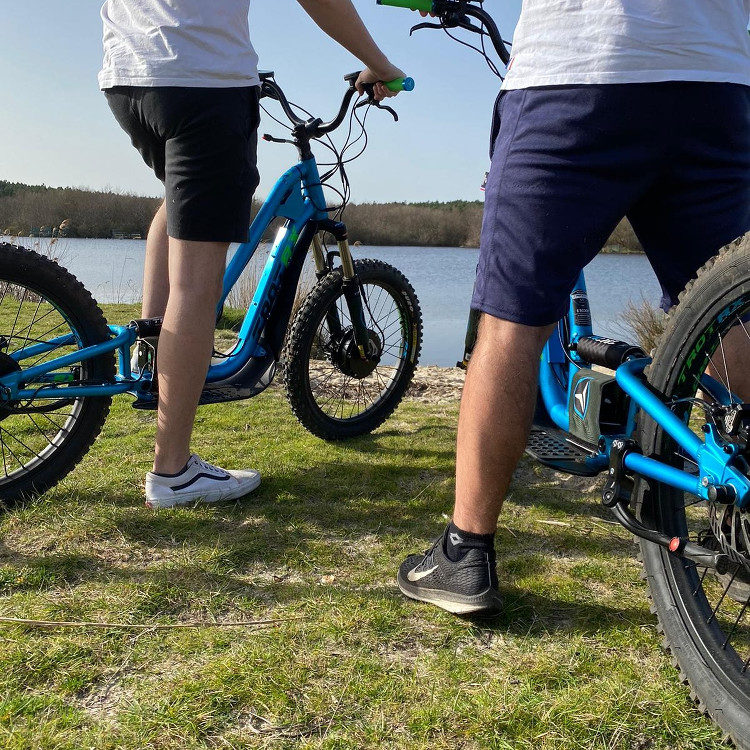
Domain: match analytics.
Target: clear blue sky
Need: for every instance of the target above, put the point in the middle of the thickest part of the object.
(57, 129)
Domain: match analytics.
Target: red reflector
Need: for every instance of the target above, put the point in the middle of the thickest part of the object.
(674, 544)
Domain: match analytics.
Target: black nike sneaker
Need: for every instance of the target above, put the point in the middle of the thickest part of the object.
(466, 587)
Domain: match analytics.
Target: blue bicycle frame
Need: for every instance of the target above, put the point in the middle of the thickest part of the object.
(559, 366)
(297, 197)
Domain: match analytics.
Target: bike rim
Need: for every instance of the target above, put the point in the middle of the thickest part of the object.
(342, 397)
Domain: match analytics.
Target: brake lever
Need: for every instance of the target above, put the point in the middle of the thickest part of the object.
(465, 23)
(372, 102)
(454, 22)
(425, 25)
(388, 109)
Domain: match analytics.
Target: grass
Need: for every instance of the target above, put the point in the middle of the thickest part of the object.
(574, 661)
(646, 321)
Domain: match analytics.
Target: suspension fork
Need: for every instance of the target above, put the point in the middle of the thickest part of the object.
(351, 286)
(322, 267)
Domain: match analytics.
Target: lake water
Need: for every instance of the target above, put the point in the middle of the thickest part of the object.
(442, 277)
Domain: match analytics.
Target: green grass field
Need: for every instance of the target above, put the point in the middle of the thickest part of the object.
(574, 661)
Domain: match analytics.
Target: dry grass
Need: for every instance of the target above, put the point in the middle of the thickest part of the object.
(623, 239)
(646, 321)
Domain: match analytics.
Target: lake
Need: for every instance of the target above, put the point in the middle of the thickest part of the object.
(442, 277)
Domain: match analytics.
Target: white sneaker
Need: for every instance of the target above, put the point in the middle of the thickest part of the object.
(198, 481)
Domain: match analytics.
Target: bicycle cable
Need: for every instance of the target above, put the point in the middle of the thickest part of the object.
(338, 165)
(481, 50)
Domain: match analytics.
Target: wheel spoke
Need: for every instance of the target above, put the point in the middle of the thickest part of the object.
(28, 438)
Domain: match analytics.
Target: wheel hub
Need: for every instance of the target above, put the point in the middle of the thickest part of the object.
(7, 365)
(347, 357)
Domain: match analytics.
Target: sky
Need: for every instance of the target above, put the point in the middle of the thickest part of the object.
(56, 128)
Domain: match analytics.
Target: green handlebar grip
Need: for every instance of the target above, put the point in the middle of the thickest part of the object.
(425, 5)
(400, 84)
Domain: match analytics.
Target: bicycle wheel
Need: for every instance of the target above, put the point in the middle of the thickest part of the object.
(42, 440)
(330, 394)
(704, 617)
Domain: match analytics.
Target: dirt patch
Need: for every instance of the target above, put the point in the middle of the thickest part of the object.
(103, 703)
(431, 384)
(437, 385)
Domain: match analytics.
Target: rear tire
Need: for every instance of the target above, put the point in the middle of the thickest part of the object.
(71, 303)
(702, 646)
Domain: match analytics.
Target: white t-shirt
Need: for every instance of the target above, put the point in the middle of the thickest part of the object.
(187, 43)
(562, 42)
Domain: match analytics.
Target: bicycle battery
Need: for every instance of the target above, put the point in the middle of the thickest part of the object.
(597, 406)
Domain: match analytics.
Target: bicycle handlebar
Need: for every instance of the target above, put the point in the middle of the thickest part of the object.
(400, 84)
(452, 14)
(315, 127)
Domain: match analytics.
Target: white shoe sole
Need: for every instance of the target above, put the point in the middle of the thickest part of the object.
(489, 604)
(187, 498)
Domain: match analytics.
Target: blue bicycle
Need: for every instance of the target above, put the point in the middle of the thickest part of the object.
(348, 356)
(672, 437)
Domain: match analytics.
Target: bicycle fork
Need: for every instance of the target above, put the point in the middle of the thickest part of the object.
(351, 287)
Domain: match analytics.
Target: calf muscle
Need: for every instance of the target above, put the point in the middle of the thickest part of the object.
(496, 413)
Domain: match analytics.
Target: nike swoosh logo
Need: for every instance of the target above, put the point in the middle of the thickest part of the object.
(413, 576)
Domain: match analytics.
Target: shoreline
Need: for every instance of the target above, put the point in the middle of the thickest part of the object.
(436, 385)
(606, 250)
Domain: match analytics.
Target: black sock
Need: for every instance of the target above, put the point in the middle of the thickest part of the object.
(459, 542)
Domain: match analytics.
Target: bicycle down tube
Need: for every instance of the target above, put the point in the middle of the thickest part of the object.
(297, 197)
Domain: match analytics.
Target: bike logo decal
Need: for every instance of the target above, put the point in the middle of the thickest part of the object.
(286, 256)
(581, 397)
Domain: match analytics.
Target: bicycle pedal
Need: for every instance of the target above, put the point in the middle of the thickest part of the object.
(146, 404)
(555, 449)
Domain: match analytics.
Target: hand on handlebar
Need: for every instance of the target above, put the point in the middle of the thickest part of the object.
(380, 91)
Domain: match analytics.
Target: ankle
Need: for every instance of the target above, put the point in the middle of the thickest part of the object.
(170, 466)
(458, 542)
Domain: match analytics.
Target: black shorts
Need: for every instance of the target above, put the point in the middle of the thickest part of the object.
(202, 144)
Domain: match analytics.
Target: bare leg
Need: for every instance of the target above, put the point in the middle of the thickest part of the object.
(196, 270)
(496, 413)
(156, 270)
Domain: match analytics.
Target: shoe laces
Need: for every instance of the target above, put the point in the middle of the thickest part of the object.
(429, 554)
(209, 467)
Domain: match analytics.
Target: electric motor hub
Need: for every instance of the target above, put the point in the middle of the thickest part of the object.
(347, 357)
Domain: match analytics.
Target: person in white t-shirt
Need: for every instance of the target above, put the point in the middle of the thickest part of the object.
(182, 80)
(610, 108)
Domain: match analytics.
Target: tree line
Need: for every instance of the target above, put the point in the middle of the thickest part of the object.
(27, 209)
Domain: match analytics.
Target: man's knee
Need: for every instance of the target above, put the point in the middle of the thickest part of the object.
(524, 339)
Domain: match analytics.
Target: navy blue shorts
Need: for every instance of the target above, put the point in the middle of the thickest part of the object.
(569, 162)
